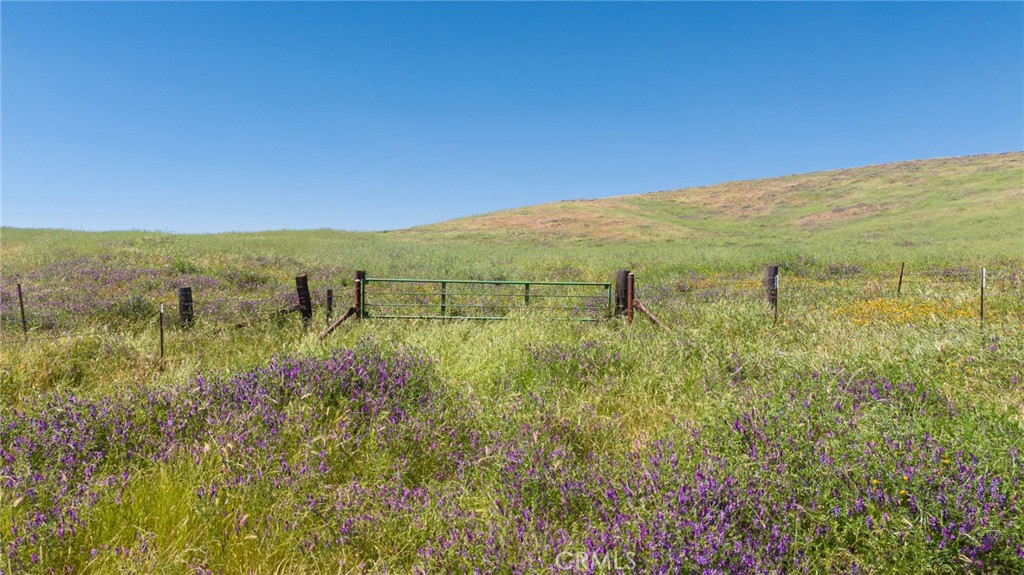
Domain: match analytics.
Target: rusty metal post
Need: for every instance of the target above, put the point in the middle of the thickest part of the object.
(630, 284)
(640, 306)
(21, 304)
(899, 286)
(351, 312)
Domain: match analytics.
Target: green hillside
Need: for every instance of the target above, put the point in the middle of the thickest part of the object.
(942, 211)
(973, 204)
(865, 424)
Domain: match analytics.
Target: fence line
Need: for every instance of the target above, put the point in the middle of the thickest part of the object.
(950, 288)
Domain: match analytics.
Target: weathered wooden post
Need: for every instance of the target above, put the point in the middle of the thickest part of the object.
(771, 285)
(305, 301)
(161, 332)
(444, 297)
(982, 297)
(21, 304)
(630, 283)
(776, 306)
(185, 306)
(360, 277)
(899, 286)
(621, 278)
(330, 304)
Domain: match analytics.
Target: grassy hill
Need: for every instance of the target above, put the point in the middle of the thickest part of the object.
(974, 203)
(933, 212)
(851, 429)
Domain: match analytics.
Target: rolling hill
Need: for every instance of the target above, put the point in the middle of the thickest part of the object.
(948, 201)
(967, 210)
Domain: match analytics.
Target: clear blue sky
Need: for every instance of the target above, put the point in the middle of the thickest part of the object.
(199, 117)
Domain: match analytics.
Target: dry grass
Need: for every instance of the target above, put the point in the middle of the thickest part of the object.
(893, 193)
(840, 214)
(611, 219)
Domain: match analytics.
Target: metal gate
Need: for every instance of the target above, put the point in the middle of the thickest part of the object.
(400, 298)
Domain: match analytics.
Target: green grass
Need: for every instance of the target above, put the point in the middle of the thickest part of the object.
(931, 211)
(955, 207)
(492, 390)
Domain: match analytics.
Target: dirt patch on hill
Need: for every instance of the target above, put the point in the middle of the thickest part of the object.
(601, 220)
(751, 199)
(756, 198)
(839, 214)
(809, 201)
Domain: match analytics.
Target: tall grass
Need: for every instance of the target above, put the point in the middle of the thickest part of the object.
(863, 432)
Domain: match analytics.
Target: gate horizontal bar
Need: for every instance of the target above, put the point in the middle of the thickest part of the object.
(489, 318)
(479, 306)
(485, 294)
(486, 282)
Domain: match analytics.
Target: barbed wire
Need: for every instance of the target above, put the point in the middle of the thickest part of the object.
(956, 286)
(1006, 279)
(6, 339)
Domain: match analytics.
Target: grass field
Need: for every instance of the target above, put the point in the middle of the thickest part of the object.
(862, 433)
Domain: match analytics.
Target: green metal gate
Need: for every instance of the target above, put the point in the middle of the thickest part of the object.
(399, 298)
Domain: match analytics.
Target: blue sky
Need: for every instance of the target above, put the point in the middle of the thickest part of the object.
(203, 117)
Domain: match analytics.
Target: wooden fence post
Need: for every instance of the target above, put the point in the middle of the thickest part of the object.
(982, 297)
(630, 294)
(771, 285)
(357, 303)
(776, 306)
(330, 304)
(161, 332)
(185, 306)
(21, 304)
(621, 279)
(305, 302)
(899, 286)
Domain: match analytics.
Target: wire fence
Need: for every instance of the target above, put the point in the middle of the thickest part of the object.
(67, 310)
(860, 298)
